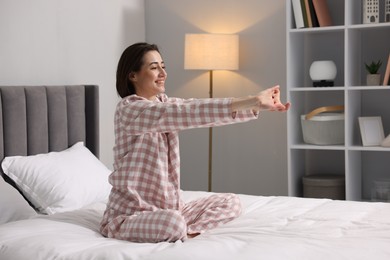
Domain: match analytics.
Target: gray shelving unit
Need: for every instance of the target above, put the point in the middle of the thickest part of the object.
(349, 43)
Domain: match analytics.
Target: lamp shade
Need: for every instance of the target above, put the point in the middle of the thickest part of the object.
(211, 52)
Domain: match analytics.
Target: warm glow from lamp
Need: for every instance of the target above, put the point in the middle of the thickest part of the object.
(211, 52)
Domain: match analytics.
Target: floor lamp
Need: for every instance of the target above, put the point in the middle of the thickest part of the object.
(211, 52)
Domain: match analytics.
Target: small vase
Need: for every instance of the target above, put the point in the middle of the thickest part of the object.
(373, 79)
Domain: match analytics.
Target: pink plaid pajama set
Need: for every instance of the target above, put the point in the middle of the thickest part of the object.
(144, 204)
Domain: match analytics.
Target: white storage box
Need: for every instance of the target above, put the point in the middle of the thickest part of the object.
(323, 128)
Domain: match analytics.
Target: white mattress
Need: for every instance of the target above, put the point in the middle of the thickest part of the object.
(270, 228)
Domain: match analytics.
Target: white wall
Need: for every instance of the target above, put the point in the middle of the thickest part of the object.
(69, 42)
(248, 158)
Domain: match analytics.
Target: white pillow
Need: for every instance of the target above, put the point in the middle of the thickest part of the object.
(60, 181)
(12, 204)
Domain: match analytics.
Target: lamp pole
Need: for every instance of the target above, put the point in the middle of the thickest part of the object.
(211, 139)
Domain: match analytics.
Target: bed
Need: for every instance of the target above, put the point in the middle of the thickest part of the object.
(54, 189)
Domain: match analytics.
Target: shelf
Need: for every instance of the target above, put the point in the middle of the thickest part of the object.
(340, 28)
(314, 30)
(299, 89)
(368, 26)
(349, 88)
(350, 44)
(368, 148)
(368, 88)
(317, 147)
(339, 147)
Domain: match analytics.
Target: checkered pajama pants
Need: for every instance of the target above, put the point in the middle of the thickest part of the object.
(170, 225)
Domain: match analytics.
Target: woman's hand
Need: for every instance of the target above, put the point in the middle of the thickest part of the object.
(269, 99)
(266, 100)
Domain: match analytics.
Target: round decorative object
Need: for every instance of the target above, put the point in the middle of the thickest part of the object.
(323, 73)
(323, 70)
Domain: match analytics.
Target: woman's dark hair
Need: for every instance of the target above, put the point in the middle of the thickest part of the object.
(131, 61)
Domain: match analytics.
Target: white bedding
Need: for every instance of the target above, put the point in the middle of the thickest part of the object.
(270, 228)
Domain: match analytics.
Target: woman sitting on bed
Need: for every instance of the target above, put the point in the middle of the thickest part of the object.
(144, 204)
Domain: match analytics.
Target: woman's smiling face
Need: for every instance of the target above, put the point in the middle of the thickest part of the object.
(150, 80)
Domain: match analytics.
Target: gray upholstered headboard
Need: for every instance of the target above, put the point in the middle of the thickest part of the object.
(41, 119)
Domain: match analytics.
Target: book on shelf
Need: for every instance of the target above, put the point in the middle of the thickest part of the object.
(308, 14)
(313, 15)
(386, 78)
(298, 15)
(322, 11)
(304, 14)
(305, 20)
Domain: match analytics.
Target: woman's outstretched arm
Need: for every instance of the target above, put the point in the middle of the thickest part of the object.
(266, 100)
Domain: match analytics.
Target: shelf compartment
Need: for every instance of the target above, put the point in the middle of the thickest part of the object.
(305, 101)
(336, 10)
(309, 162)
(362, 174)
(366, 49)
(311, 46)
(366, 102)
(355, 15)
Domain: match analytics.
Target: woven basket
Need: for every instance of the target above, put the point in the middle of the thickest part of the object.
(320, 127)
(328, 186)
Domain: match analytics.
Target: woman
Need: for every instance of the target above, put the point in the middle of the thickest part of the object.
(144, 204)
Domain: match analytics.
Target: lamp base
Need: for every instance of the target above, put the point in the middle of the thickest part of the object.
(323, 83)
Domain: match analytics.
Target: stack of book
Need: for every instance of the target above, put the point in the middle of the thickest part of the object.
(311, 13)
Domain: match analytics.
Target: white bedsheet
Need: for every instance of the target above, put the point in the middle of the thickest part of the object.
(270, 228)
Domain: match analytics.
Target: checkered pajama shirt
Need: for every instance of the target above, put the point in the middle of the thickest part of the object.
(144, 204)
